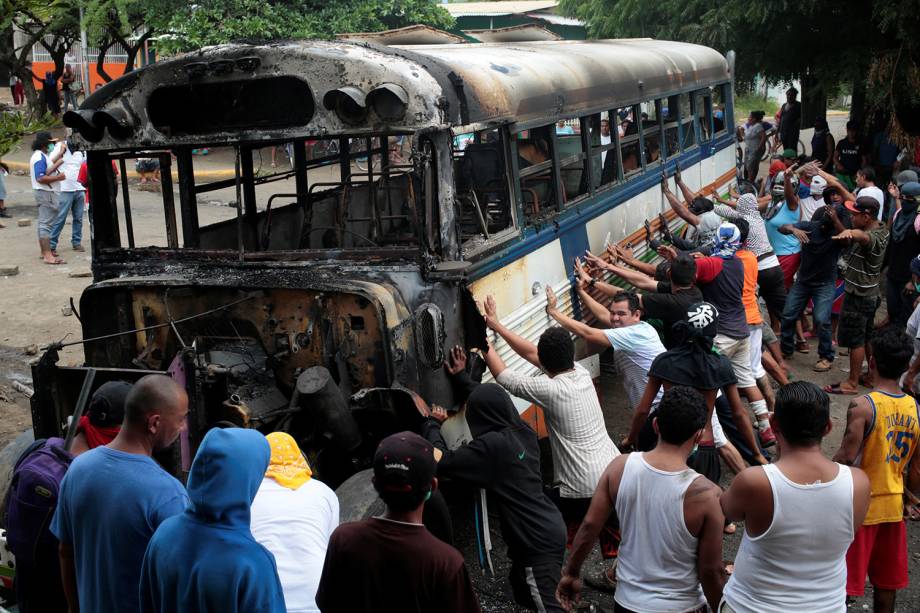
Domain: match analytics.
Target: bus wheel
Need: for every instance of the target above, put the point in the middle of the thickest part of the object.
(358, 499)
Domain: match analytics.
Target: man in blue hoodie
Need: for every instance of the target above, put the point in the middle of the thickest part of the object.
(206, 559)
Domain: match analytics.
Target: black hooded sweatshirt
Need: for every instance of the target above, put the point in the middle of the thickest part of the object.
(504, 458)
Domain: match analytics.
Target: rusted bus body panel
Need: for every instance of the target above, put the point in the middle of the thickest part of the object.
(321, 66)
(367, 310)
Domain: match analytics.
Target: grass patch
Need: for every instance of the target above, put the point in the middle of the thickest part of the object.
(745, 103)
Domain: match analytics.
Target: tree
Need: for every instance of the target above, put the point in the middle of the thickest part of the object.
(15, 126)
(36, 19)
(213, 22)
(129, 23)
(822, 43)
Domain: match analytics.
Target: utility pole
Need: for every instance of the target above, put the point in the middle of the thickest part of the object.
(84, 68)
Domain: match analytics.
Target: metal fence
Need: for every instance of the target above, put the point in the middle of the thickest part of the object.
(115, 55)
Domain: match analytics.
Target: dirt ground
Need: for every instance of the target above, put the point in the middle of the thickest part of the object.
(33, 311)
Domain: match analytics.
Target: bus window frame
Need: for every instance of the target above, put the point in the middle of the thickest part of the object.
(672, 123)
(660, 127)
(613, 145)
(514, 130)
(724, 91)
(582, 156)
(637, 138)
(682, 123)
(703, 95)
(513, 231)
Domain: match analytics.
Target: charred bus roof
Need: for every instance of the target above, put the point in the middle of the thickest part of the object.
(311, 89)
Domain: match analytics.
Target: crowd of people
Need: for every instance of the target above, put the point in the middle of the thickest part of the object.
(701, 347)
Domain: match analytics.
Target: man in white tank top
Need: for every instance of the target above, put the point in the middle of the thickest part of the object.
(800, 515)
(670, 521)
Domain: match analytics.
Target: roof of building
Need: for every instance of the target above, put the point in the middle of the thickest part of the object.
(464, 9)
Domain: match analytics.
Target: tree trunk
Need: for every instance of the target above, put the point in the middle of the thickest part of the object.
(814, 100)
(100, 59)
(858, 103)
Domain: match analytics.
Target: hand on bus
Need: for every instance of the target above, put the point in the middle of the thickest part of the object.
(677, 176)
(664, 180)
(456, 360)
(667, 252)
(550, 299)
(593, 262)
(490, 310)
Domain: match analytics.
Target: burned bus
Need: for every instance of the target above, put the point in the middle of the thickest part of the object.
(422, 179)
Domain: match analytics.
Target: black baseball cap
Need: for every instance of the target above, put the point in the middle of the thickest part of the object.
(107, 406)
(404, 464)
(43, 139)
(865, 204)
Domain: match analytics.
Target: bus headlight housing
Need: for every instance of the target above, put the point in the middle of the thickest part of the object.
(389, 101)
(349, 104)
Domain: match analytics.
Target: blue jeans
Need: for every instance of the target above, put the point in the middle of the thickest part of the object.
(822, 296)
(69, 201)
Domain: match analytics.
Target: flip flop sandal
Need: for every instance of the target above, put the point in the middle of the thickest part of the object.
(56, 262)
(843, 352)
(837, 389)
(729, 528)
(864, 381)
(802, 347)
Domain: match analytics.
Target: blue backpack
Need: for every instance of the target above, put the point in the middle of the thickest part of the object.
(32, 498)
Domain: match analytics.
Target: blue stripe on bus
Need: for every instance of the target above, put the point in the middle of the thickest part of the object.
(573, 244)
(580, 214)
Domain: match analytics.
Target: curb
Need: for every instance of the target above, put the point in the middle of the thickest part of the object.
(224, 173)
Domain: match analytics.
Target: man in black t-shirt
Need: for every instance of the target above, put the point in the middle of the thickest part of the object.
(392, 563)
(665, 301)
(849, 156)
(816, 277)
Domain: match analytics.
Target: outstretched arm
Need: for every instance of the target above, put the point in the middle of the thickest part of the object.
(835, 182)
(685, 191)
(682, 210)
(597, 340)
(626, 255)
(519, 344)
(636, 278)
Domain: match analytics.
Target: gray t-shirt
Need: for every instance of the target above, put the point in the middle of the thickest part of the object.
(634, 349)
(752, 139)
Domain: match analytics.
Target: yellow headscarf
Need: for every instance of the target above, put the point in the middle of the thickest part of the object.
(287, 466)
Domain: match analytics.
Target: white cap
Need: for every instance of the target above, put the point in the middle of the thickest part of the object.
(818, 183)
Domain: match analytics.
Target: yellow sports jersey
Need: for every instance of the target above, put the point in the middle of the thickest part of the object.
(888, 446)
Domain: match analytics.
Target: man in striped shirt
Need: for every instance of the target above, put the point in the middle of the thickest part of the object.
(578, 437)
(868, 240)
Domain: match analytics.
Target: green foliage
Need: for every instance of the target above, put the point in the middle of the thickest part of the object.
(213, 22)
(14, 126)
(745, 103)
(822, 42)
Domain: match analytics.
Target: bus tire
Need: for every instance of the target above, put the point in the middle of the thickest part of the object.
(358, 499)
